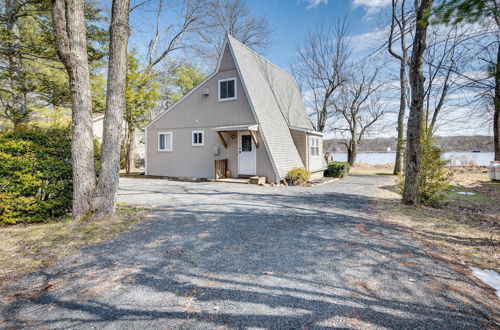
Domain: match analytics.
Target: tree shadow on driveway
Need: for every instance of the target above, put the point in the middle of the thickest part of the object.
(306, 259)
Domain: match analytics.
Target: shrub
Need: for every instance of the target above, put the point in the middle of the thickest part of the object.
(433, 177)
(35, 174)
(338, 169)
(298, 175)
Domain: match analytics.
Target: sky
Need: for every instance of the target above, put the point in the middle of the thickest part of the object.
(290, 21)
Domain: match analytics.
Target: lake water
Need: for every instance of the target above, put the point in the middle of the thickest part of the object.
(455, 158)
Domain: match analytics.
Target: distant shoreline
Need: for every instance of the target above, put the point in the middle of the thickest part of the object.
(393, 152)
(454, 158)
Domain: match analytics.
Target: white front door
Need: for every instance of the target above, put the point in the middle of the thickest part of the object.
(247, 155)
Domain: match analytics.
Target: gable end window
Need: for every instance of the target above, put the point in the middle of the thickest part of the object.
(227, 89)
(198, 139)
(314, 146)
(165, 141)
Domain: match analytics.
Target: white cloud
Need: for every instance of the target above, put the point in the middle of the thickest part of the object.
(371, 6)
(369, 41)
(314, 3)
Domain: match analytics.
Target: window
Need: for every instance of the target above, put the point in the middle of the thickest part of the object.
(314, 146)
(227, 89)
(197, 138)
(165, 141)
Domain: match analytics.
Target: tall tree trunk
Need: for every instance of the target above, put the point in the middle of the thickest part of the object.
(105, 196)
(398, 165)
(70, 34)
(130, 151)
(352, 152)
(414, 127)
(17, 111)
(496, 116)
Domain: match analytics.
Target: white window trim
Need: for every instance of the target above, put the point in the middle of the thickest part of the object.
(311, 146)
(202, 139)
(235, 90)
(171, 141)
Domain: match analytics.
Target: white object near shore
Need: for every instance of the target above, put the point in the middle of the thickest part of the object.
(494, 170)
(467, 193)
(489, 277)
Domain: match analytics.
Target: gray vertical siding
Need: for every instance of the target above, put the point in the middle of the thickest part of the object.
(186, 160)
(201, 112)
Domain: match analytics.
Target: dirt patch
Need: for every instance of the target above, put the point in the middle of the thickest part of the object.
(25, 248)
(466, 228)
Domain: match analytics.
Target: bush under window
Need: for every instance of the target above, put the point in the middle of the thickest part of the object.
(337, 169)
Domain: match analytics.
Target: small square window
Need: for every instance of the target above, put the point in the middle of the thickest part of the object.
(198, 138)
(227, 89)
(165, 141)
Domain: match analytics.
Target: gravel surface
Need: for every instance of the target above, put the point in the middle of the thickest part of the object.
(243, 256)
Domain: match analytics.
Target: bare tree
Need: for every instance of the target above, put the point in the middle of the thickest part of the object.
(320, 68)
(105, 195)
(189, 22)
(234, 17)
(417, 86)
(358, 106)
(400, 23)
(483, 12)
(70, 35)
(444, 59)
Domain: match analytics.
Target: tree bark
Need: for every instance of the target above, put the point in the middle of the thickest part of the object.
(70, 34)
(398, 165)
(496, 115)
(17, 111)
(352, 152)
(403, 62)
(130, 151)
(105, 196)
(417, 80)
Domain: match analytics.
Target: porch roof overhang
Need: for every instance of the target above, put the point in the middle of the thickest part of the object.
(246, 127)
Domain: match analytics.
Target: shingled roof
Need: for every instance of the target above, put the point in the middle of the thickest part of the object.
(275, 99)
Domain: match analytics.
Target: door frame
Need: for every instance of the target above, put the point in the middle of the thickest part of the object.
(254, 151)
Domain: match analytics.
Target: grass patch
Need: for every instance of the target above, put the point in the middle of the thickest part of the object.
(467, 227)
(455, 193)
(25, 248)
(366, 169)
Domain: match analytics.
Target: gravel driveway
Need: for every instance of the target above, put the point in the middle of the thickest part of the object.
(242, 256)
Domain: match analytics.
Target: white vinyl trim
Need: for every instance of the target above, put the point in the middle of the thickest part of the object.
(249, 127)
(145, 152)
(235, 90)
(308, 131)
(202, 138)
(171, 141)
